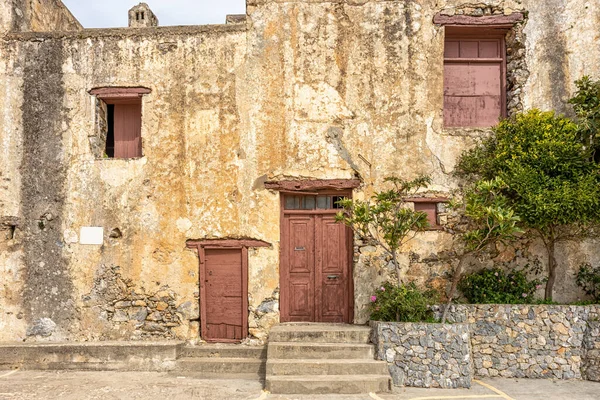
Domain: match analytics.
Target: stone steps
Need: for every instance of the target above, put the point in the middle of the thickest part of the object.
(323, 359)
(328, 384)
(320, 333)
(326, 367)
(298, 350)
(224, 350)
(223, 361)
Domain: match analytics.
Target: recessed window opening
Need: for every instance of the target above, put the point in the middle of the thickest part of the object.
(119, 122)
(137, 16)
(143, 15)
(124, 133)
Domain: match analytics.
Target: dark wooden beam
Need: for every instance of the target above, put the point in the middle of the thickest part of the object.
(486, 20)
(427, 200)
(119, 92)
(312, 185)
(226, 243)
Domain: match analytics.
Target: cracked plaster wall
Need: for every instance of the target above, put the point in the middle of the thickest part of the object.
(326, 90)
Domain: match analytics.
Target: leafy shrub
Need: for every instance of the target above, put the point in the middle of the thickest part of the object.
(588, 278)
(405, 303)
(494, 286)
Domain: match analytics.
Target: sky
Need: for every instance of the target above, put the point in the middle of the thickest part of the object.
(113, 13)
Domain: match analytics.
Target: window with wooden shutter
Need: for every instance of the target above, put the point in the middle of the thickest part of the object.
(474, 78)
(124, 120)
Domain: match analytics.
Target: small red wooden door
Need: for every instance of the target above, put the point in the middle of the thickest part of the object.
(315, 273)
(223, 295)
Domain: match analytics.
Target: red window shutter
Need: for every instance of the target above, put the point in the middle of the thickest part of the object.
(473, 82)
(431, 210)
(128, 130)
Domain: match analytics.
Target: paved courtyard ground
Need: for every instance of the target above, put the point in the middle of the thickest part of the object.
(34, 385)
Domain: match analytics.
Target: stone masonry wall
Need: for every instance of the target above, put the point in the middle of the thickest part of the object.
(591, 344)
(516, 341)
(511, 341)
(425, 355)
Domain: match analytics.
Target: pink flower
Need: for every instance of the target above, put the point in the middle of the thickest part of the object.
(373, 299)
(538, 287)
(382, 289)
(495, 273)
(524, 294)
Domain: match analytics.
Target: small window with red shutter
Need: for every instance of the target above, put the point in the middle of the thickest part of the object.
(123, 107)
(474, 77)
(431, 207)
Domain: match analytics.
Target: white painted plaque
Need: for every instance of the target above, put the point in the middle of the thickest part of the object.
(91, 235)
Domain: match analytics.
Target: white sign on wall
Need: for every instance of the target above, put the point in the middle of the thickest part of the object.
(91, 235)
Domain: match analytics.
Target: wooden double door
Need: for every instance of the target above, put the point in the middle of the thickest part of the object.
(315, 269)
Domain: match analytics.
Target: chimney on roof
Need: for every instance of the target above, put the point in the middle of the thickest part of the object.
(141, 16)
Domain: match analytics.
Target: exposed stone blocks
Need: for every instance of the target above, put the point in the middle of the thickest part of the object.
(590, 368)
(425, 355)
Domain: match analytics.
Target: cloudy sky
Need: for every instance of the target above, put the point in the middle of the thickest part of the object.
(113, 13)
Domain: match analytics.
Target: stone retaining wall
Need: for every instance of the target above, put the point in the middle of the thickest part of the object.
(425, 355)
(590, 369)
(521, 341)
(511, 341)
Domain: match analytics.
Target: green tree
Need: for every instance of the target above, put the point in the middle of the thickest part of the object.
(385, 219)
(552, 184)
(586, 104)
(487, 218)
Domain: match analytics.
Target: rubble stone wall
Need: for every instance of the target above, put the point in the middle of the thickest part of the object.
(425, 355)
(591, 359)
(509, 341)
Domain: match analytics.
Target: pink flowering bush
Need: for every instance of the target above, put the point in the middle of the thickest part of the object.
(406, 303)
(494, 286)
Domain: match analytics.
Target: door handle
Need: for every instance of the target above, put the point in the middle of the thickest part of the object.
(299, 249)
(332, 276)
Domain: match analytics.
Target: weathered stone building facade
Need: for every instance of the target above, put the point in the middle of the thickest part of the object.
(347, 90)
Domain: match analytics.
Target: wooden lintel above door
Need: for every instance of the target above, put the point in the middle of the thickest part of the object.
(226, 243)
(312, 185)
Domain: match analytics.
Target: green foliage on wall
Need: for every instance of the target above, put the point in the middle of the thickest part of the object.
(551, 182)
(385, 219)
(404, 303)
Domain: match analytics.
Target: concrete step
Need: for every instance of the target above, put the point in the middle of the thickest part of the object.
(297, 350)
(339, 384)
(326, 367)
(134, 356)
(221, 365)
(224, 350)
(321, 333)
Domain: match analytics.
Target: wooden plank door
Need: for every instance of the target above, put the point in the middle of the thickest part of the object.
(332, 270)
(223, 282)
(299, 268)
(315, 269)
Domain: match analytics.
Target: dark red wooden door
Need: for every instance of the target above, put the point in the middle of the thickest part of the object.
(223, 295)
(332, 266)
(299, 284)
(315, 268)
